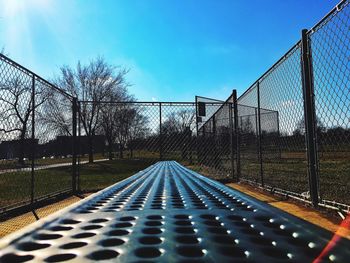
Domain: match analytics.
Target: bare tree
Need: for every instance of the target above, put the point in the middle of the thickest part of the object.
(93, 82)
(56, 114)
(300, 127)
(17, 108)
(130, 124)
(138, 128)
(177, 130)
(109, 116)
(179, 122)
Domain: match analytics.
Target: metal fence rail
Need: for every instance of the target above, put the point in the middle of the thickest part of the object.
(170, 213)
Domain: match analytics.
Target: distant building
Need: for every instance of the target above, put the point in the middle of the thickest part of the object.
(61, 146)
(11, 149)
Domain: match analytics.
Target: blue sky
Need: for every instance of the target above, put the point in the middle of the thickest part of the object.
(174, 49)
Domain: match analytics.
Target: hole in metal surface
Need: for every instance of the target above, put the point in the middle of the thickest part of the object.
(250, 231)
(153, 223)
(13, 258)
(275, 253)
(103, 254)
(152, 230)
(148, 252)
(154, 217)
(262, 218)
(70, 222)
(235, 217)
(47, 236)
(282, 232)
(242, 224)
(61, 228)
(91, 227)
(73, 245)
(31, 246)
(122, 225)
(60, 257)
(218, 230)
(298, 242)
(127, 218)
(232, 252)
(225, 239)
(182, 216)
(212, 223)
(150, 240)
(185, 230)
(187, 240)
(118, 232)
(207, 216)
(183, 223)
(262, 241)
(111, 242)
(84, 235)
(190, 251)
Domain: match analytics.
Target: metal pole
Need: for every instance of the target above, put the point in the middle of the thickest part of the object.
(160, 133)
(259, 136)
(279, 136)
(214, 125)
(310, 117)
(256, 130)
(33, 144)
(79, 147)
(235, 115)
(74, 145)
(231, 140)
(197, 135)
(196, 105)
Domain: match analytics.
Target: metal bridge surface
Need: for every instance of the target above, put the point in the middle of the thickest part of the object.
(168, 213)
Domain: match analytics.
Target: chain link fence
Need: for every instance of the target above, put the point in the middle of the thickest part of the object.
(214, 129)
(289, 132)
(35, 152)
(293, 133)
(330, 51)
(135, 133)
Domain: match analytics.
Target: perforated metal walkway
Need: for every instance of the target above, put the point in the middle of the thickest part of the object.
(168, 213)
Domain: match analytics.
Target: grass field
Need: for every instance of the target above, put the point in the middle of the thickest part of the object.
(15, 187)
(13, 164)
(287, 171)
(290, 173)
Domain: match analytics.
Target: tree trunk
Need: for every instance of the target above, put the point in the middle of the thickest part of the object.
(21, 147)
(91, 153)
(110, 150)
(121, 151)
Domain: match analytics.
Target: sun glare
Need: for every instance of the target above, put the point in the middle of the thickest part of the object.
(16, 7)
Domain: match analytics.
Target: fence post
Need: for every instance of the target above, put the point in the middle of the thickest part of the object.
(33, 145)
(279, 136)
(235, 116)
(197, 135)
(74, 145)
(231, 139)
(79, 147)
(160, 133)
(309, 117)
(259, 136)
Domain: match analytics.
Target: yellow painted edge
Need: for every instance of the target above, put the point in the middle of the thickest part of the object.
(310, 215)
